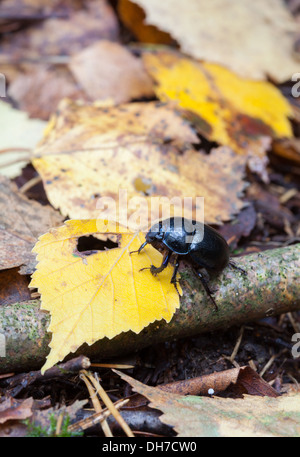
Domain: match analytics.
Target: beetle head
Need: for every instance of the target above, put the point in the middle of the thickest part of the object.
(155, 234)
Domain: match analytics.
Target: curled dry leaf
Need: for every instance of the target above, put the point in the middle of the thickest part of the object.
(93, 158)
(225, 33)
(239, 380)
(98, 294)
(218, 381)
(250, 382)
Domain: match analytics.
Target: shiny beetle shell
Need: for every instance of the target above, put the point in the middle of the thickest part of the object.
(203, 244)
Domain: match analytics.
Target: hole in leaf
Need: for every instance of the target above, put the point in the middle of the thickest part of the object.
(89, 245)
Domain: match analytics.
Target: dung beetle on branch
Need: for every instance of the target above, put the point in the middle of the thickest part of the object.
(192, 241)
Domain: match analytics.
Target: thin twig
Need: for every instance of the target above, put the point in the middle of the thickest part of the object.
(252, 365)
(235, 350)
(295, 325)
(6, 150)
(96, 402)
(13, 162)
(237, 344)
(29, 184)
(59, 423)
(97, 417)
(294, 380)
(107, 401)
(112, 365)
(234, 363)
(268, 364)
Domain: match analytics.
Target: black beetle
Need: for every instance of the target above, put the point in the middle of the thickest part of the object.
(197, 243)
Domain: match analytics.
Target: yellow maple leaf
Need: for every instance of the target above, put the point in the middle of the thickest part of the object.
(102, 294)
(234, 111)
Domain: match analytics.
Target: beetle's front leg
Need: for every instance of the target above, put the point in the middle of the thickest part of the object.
(155, 270)
(139, 249)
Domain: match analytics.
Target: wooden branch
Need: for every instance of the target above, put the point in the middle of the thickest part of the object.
(271, 287)
(22, 380)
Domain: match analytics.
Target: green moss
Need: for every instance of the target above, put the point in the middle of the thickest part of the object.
(35, 430)
(226, 281)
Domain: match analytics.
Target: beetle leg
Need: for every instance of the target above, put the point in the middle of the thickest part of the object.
(155, 270)
(140, 248)
(207, 289)
(233, 265)
(173, 279)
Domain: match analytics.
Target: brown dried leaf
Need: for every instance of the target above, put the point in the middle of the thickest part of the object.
(41, 417)
(13, 287)
(268, 206)
(64, 36)
(218, 381)
(21, 222)
(107, 70)
(238, 380)
(239, 227)
(249, 382)
(29, 90)
(289, 148)
(11, 409)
